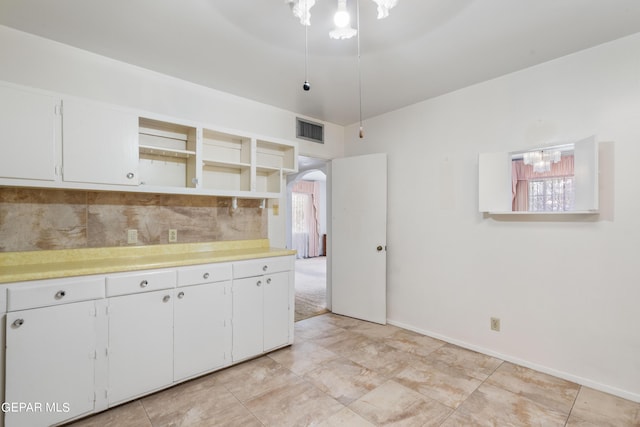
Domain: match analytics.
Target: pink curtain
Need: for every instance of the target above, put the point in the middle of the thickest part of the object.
(312, 188)
(521, 174)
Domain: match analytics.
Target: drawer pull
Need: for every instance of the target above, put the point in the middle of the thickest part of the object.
(181, 295)
(205, 275)
(269, 280)
(130, 175)
(166, 298)
(60, 294)
(264, 268)
(259, 283)
(144, 284)
(17, 323)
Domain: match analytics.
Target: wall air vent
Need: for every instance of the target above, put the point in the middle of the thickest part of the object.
(310, 131)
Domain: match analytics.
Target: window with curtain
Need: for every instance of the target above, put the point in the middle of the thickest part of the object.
(301, 203)
(549, 191)
(551, 195)
(305, 225)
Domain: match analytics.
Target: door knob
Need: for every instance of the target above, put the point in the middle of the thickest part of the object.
(379, 248)
(17, 323)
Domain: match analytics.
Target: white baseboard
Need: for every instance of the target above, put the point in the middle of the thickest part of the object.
(635, 397)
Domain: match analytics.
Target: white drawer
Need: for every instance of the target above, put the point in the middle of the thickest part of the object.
(258, 267)
(43, 293)
(204, 274)
(140, 281)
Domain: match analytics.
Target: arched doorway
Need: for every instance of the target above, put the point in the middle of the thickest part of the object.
(306, 232)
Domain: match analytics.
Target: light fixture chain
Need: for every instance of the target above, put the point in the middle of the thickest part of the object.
(361, 132)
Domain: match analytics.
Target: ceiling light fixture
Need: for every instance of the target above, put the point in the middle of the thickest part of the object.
(384, 6)
(541, 160)
(302, 10)
(342, 20)
(343, 30)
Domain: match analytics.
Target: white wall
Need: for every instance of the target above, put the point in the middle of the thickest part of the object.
(450, 269)
(40, 63)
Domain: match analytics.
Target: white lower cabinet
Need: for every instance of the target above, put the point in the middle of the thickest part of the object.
(50, 355)
(248, 313)
(140, 344)
(276, 310)
(262, 317)
(202, 330)
(260, 314)
(79, 345)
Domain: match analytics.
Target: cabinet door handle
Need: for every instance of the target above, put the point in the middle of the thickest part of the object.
(259, 283)
(60, 294)
(17, 323)
(130, 175)
(166, 298)
(205, 275)
(181, 295)
(144, 284)
(264, 268)
(269, 280)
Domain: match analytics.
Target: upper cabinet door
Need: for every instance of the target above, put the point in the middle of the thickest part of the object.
(99, 144)
(27, 134)
(494, 182)
(586, 174)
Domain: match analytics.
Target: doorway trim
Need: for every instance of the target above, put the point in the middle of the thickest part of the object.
(314, 165)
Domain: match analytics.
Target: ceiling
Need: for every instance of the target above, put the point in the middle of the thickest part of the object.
(255, 48)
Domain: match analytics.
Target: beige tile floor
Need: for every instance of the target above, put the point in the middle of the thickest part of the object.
(344, 372)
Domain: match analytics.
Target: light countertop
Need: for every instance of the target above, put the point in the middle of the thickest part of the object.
(35, 265)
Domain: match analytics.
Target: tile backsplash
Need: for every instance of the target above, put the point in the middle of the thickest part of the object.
(43, 219)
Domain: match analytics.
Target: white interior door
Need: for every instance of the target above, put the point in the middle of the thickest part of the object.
(358, 237)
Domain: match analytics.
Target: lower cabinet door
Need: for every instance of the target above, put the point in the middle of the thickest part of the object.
(247, 317)
(202, 329)
(50, 356)
(276, 310)
(140, 344)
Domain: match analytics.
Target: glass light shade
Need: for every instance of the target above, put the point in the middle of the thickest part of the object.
(302, 10)
(542, 166)
(384, 6)
(343, 30)
(343, 33)
(341, 18)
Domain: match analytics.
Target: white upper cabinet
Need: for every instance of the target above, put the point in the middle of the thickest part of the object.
(586, 174)
(28, 130)
(494, 182)
(57, 141)
(100, 144)
(167, 154)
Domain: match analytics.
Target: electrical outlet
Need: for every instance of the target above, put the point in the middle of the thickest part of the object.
(173, 235)
(495, 324)
(132, 237)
